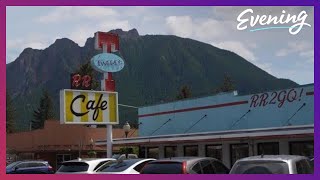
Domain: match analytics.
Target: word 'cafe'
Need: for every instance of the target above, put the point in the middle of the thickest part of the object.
(96, 106)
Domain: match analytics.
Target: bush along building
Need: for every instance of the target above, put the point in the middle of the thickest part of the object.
(228, 126)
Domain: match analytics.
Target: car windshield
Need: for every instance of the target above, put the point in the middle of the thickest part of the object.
(12, 165)
(73, 167)
(115, 166)
(162, 168)
(260, 167)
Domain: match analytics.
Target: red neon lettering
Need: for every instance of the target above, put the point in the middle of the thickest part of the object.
(76, 80)
(86, 81)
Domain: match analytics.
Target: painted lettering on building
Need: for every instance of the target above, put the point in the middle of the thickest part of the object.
(278, 98)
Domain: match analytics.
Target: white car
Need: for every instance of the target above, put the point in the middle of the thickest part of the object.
(128, 166)
(82, 166)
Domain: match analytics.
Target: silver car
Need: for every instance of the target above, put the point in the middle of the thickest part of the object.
(272, 164)
(82, 166)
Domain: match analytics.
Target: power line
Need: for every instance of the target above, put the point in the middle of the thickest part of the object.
(161, 126)
(236, 122)
(287, 122)
(195, 123)
(140, 123)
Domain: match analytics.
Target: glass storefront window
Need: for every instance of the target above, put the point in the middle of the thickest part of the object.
(214, 151)
(239, 151)
(142, 152)
(268, 148)
(170, 151)
(302, 148)
(191, 150)
(153, 152)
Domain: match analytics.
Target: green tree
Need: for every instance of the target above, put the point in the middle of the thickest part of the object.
(44, 112)
(227, 86)
(10, 111)
(184, 93)
(86, 69)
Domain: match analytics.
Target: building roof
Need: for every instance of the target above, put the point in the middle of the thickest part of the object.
(261, 133)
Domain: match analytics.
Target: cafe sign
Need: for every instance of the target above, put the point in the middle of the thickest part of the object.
(107, 62)
(88, 107)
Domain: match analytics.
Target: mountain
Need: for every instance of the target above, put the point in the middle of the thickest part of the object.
(157, 66)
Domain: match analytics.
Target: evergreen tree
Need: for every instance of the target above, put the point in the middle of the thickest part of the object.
(86, 69)
(184, 93)
(227, 86)
(44, 112)
(10, 111)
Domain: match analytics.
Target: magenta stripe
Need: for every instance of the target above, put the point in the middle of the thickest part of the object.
(195, 108)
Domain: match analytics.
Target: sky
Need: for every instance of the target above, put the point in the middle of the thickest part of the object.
(277, 51)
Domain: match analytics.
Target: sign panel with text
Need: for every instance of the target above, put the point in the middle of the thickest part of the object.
(88, 107)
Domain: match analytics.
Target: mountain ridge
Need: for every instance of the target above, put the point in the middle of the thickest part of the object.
(156, 66)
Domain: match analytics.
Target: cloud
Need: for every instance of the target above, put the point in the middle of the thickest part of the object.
(238, 48)
(282, 53)
(303, 49)
(180, 25)
(69, 13)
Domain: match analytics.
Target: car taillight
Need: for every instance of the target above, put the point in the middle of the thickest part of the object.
(184, 167)
(50, 168)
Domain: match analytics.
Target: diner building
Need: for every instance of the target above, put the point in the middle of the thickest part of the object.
(228, 126)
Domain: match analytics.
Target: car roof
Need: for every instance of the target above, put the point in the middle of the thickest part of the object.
(182, 159)
(273, 157)
(137, 160)
(89, 160)
(32, 161)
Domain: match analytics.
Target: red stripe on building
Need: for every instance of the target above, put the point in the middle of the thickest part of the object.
(310, 93)
(196, 108)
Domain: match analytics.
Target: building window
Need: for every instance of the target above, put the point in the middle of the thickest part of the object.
(302, 148)
(191, 150)
(268, 148)
(170, 151)
(153, 152)
(239, 151)
(214, 151)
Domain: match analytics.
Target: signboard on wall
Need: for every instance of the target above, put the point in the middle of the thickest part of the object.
(107, 62)
(88, 107)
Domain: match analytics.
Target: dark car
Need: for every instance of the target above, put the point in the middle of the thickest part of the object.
(29, 167)
(185, 165)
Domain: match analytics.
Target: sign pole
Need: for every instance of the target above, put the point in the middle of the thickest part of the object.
(104, 87)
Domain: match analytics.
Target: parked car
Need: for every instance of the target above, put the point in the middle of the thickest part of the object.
(124, 156)
(272, 164)
(185, 165)
(127, 166)
(29, 167)
(82, 166)
(311, 160)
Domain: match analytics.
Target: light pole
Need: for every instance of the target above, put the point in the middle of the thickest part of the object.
(91, 152)
(126, 128)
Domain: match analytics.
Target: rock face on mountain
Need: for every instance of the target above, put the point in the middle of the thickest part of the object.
(156, 66)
